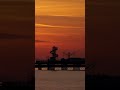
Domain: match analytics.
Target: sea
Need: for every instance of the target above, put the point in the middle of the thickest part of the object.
(59, 80)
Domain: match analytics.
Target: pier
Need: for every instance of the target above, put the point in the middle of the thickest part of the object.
(64, 64)
(77, 64)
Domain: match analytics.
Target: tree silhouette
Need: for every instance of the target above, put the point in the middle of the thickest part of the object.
(53, 52)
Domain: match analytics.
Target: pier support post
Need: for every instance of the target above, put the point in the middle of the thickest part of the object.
(39, 68)
(63, 68)
(51, 68)
(76, 68)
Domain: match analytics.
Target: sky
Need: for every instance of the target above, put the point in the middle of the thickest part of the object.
(59, 23)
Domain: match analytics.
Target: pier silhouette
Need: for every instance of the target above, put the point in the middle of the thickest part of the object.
(64, 64)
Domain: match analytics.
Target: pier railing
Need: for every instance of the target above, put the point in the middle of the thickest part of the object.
(63, 64)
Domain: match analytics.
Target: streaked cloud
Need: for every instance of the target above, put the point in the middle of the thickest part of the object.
(60, 7)
(60, 22)
(52, 26)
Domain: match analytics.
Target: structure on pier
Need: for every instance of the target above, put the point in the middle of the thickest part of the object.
(64, 64)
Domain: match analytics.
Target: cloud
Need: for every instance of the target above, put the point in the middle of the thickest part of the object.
(65, 22)
(13, 36)
(52, 26)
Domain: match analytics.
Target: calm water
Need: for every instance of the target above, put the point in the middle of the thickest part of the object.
(59, 80)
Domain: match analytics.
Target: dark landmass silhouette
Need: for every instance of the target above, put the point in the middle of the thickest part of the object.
(17, 86)
(102, 82)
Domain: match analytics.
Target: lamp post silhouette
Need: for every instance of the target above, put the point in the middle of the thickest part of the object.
(69, 54)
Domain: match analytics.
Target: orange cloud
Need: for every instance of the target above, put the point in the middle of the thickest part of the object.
(60, 7)
(52, 26)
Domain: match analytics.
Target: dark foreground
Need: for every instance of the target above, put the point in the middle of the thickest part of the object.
(16, 86)
(102, 82)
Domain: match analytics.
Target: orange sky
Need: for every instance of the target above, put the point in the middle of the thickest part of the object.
(60, 23)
